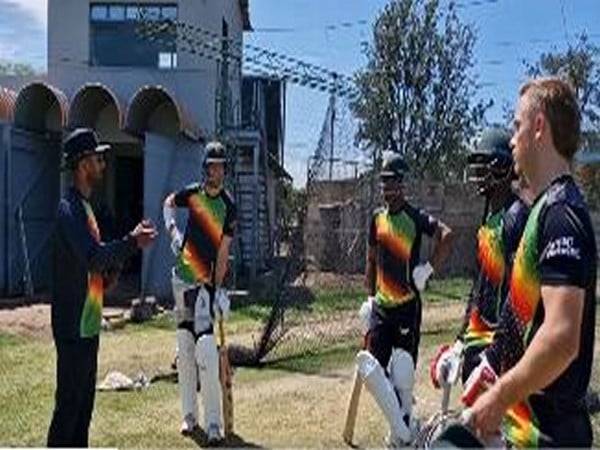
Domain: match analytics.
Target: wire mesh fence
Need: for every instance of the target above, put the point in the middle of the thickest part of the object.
(317, 286)
(314, 292)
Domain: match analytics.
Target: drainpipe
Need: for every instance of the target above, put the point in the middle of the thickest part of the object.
(7, 208)
(255, 224)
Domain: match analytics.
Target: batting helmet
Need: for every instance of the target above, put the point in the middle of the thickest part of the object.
(491, 161)
(457, 436)
(215, 153)
(446, 430)
(394, 167)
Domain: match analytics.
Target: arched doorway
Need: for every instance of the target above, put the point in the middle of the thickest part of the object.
(119, 202)
(40, 113)
(172, 156)
(7, 106)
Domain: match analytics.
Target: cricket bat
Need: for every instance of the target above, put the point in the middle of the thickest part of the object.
(226, 385)
(352, 410)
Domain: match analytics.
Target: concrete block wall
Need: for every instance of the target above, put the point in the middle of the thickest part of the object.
(337, 218)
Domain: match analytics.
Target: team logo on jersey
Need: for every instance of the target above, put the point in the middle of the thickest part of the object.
(562, 246)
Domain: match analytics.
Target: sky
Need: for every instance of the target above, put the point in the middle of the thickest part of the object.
(329, 33)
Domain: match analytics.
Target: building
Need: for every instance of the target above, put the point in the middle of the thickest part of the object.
(125, 69)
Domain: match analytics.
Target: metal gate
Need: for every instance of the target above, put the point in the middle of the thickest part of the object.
(33, 191)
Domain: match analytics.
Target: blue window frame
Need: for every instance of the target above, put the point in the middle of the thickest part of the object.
(116, 13)
(115, 39)
(132, 12)
(98, 13)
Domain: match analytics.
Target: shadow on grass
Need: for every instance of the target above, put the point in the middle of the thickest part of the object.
(232, 441)
(322, 360)
(312, 363)
(302, 299)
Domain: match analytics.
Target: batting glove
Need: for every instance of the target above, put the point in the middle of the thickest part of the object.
(176, 242)
(364, 313)
(421, 274)
(480, 380)
(222, 304)
(445, 366)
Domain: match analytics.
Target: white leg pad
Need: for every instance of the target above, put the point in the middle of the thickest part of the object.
(402, 373)
(187, 373)
(183, 312)
(208, 363)
(202, 315)
(382, 390)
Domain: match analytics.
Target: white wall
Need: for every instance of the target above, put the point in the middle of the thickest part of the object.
(193, 83)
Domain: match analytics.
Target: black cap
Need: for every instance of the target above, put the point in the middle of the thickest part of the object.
(81, 143)
(394, 167)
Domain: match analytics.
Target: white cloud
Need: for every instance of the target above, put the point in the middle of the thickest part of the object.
(37, 9)
(23, 25)
(8, 50)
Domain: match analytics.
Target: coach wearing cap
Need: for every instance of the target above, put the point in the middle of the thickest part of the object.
(80, 264)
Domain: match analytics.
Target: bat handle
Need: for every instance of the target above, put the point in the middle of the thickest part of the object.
(446, 398)
(221, 333)
(365, 341)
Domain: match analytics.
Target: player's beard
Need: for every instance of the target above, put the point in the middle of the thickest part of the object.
(214, 183)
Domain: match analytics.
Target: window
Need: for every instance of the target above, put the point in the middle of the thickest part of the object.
(133, 13)
(116, 13)
(167, 60)
(150, 12)
(168, 13)
(119, 12)
(116, 41)
(99, 12)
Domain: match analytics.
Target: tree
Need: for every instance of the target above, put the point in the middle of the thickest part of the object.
(579, 64)
(416, 94)
(293, 206)
(16, 69)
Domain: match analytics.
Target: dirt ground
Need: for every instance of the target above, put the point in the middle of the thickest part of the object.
(31, 320)
(34, 320)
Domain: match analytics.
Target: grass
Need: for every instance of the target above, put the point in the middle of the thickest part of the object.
(248, 317)
(297, 401)
(149, 417)
(339, 355)
(450, 289)
(348, 298)
(135, 419)
(282, 404)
